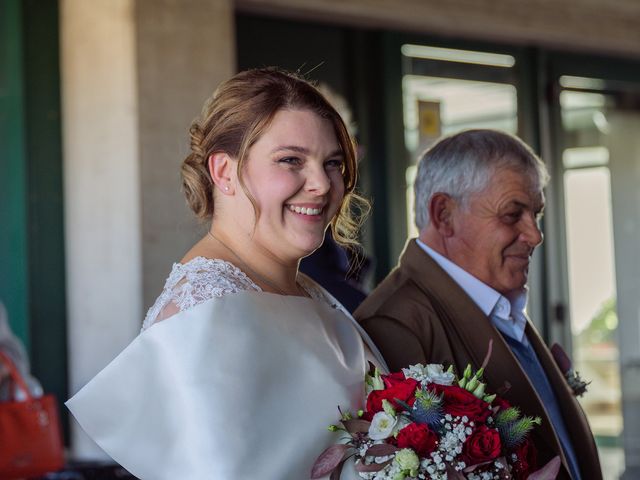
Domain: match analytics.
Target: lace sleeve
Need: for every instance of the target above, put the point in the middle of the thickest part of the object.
(195, 282)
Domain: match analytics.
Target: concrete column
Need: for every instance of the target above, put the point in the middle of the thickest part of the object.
(134, 75)
(102, 187)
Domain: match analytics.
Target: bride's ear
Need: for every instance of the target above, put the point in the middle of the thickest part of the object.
(222, 170)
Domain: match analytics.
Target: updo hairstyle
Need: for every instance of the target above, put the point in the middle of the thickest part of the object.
(239, 112)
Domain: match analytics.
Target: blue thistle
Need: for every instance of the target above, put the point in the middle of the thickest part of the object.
(428, 409)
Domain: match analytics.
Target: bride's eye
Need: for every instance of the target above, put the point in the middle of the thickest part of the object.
(334, 164)
(293, 161)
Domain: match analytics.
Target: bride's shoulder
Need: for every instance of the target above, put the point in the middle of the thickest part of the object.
(194, 282)
(317, 292)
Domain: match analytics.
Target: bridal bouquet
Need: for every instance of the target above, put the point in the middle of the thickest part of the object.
(426, 423)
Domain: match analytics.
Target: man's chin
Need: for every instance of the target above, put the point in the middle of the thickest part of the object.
(519, 282)
(516, 283)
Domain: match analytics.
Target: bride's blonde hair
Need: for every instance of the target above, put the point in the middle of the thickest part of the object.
(234, 118)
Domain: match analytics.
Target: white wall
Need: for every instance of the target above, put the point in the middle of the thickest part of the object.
(185, 48)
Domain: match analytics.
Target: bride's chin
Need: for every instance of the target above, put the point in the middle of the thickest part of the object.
(308, 249)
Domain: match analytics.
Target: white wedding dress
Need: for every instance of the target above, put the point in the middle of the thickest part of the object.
(232, 383)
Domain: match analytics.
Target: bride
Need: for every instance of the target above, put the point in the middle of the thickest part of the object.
(243, 361)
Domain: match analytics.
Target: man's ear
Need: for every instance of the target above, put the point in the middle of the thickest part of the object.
(441, 208)
(222, 170)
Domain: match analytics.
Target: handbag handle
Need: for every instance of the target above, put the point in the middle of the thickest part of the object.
(15, 374)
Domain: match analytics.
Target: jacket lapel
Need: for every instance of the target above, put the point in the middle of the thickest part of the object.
(468, 325)
(574, 417)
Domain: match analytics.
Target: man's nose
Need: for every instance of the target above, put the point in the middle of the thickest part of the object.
(531, 232)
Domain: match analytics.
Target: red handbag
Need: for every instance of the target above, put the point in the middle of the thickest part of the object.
(30, 435)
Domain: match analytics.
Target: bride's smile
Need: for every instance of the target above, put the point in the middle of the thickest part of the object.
(309, 211)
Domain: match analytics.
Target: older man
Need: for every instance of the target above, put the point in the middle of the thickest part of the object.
(461, 283)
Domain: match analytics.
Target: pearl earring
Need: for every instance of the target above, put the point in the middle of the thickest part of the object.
(226, 188)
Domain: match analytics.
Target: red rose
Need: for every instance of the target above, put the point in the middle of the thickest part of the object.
(482, 446)
(402, 390)
(527, 461)
(418, 437)
(393, 379)
(459, 402)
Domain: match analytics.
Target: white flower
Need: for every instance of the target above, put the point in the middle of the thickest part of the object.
(438, 375)
(382, 426)
(432, 373)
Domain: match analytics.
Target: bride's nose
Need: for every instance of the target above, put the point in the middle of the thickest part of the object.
(317, 181)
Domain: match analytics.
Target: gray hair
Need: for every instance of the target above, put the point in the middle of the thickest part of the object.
(463, 164)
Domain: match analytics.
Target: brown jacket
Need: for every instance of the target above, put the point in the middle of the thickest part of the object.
(418, 314)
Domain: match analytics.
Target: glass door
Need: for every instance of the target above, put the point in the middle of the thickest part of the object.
(599, 156)
(447, 90)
